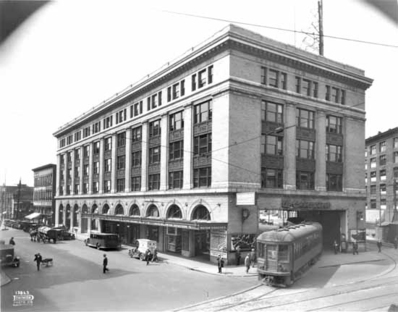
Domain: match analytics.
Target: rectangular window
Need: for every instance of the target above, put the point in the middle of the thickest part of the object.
(327, 93)
(342, 97)
(373, 189)
(373, 176)
(273, 77)
(210, 74)
(108, 122)
(373, 204)
(373, 150)
(182, 87)
(176, 121)
(395, 143)
(107, 186)
(272, 112)
(202, 78)
(85, 170)
(154, 155)
(153, 182)
(86, 151)
(176, 150)
(334, 153)
(334, 124)
(175, 180)
(121, 139)
(306, 87)
(203, 112)
(154, 128)
(95, 187)
(305, 118)
(136, 135)
(271, 178)
(96, 148)
(62, 142)
(283, 81)
(314, 89)
(305, 149)
(382, 175)
(395, 172)
(137, 109)
(263, 77)
(335, 95)
(202, 177)
(383, 203)
(148, 103)
(96, 127)
(85, 188)
(193, 86)
(108, 144)
(298, 84)
(395, 157)
(382, 160)
(121, 162)
(383, 189)
(373, 163)
(136, 159)
(272, 145)
(108, 165)
(176, 91)
(69, 139)
(120, 186)
(382, 146)
(334, 182)
(86, 132)
(78, 136)
(136, 184)
(202, 145)
(154, 101)
(304, 180)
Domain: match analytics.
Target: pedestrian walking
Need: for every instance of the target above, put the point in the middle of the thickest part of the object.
(237, 254)
(252, 257)
(38, 258)
(247, 263)
(155, 255)
(148, 256)
(379, 244)
(220, 263)
(105, 264)
(336, 247)
(396, 242)
(12, 241)
(355, 248)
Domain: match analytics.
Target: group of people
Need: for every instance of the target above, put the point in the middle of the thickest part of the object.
(250, 259)
(149, 256)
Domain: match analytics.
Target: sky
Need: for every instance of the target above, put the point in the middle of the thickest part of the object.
(72, 55)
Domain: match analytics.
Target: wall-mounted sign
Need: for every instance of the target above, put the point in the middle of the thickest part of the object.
(246, 199)
(299, 204)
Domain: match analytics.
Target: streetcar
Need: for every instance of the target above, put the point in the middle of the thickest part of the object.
(284, 254)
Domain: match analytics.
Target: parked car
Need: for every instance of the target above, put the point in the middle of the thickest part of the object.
(141, 246)
(7, 256)
(103, 241)
(65, 235)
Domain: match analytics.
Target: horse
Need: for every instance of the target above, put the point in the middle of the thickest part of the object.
(33, 235)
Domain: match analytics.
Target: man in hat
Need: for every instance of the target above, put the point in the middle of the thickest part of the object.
(220, 263)
(38, 260)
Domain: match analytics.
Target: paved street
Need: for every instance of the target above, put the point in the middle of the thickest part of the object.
(76, 281)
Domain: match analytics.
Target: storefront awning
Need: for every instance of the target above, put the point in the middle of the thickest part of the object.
(182, 224)
(33, 215)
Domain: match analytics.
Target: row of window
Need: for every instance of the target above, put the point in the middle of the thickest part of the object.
(273, 112)
(382, 160)
(382, 147)
(177, 90)
(305, 180)
(43, 180)
(279, 79)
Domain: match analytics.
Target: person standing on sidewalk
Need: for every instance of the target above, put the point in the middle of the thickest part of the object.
(379, 244)
(355, 248)
(336, 247)
(220, 263)
(253, 257)
(247, 263)
(38, 260)
(237, 255)
(105, 264)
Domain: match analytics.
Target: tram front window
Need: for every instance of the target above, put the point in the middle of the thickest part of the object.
(272, 252)
(283, 253)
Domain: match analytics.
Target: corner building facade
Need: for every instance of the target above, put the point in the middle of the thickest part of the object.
(190, 155)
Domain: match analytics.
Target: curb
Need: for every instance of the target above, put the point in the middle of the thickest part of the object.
(4, 279)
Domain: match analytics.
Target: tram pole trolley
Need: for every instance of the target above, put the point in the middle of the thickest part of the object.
(284, 254)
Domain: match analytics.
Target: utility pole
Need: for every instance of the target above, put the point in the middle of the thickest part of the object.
(320, 20)
(18, 198)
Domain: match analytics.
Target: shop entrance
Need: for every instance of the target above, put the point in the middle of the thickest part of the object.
(202, 242)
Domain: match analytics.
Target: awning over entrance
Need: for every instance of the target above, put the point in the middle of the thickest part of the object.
(183, 224)
(33, 215)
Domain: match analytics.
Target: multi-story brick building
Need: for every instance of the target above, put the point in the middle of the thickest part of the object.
(16, 201)
(190, 155)
(381, 174)
(44, 192)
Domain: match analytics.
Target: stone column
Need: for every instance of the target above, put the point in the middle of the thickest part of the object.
(72, 191)
(289, 180)
(320, 152)
(164, 148)
(90, 169)
(81, 171)
(101, 166)
(127, 179)
(58, 176)
(144, 158)
(188, 159)
(114, 163)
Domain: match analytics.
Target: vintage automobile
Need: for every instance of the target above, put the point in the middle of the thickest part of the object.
(103, 241)
(140, 248)
(7, 256)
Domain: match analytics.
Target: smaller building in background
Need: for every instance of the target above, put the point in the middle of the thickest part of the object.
(44, 192)
(381, 176)
(16, 201)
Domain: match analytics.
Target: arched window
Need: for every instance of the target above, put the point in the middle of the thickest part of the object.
(119, 210)
(105, 209)
(75, 211)
(135, 210)
(174, 212)
(84, 209)
(61, 215)
(201, 213)
(94, 209)
(152, 211)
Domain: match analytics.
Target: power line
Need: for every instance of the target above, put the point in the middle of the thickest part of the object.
(280, 29)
